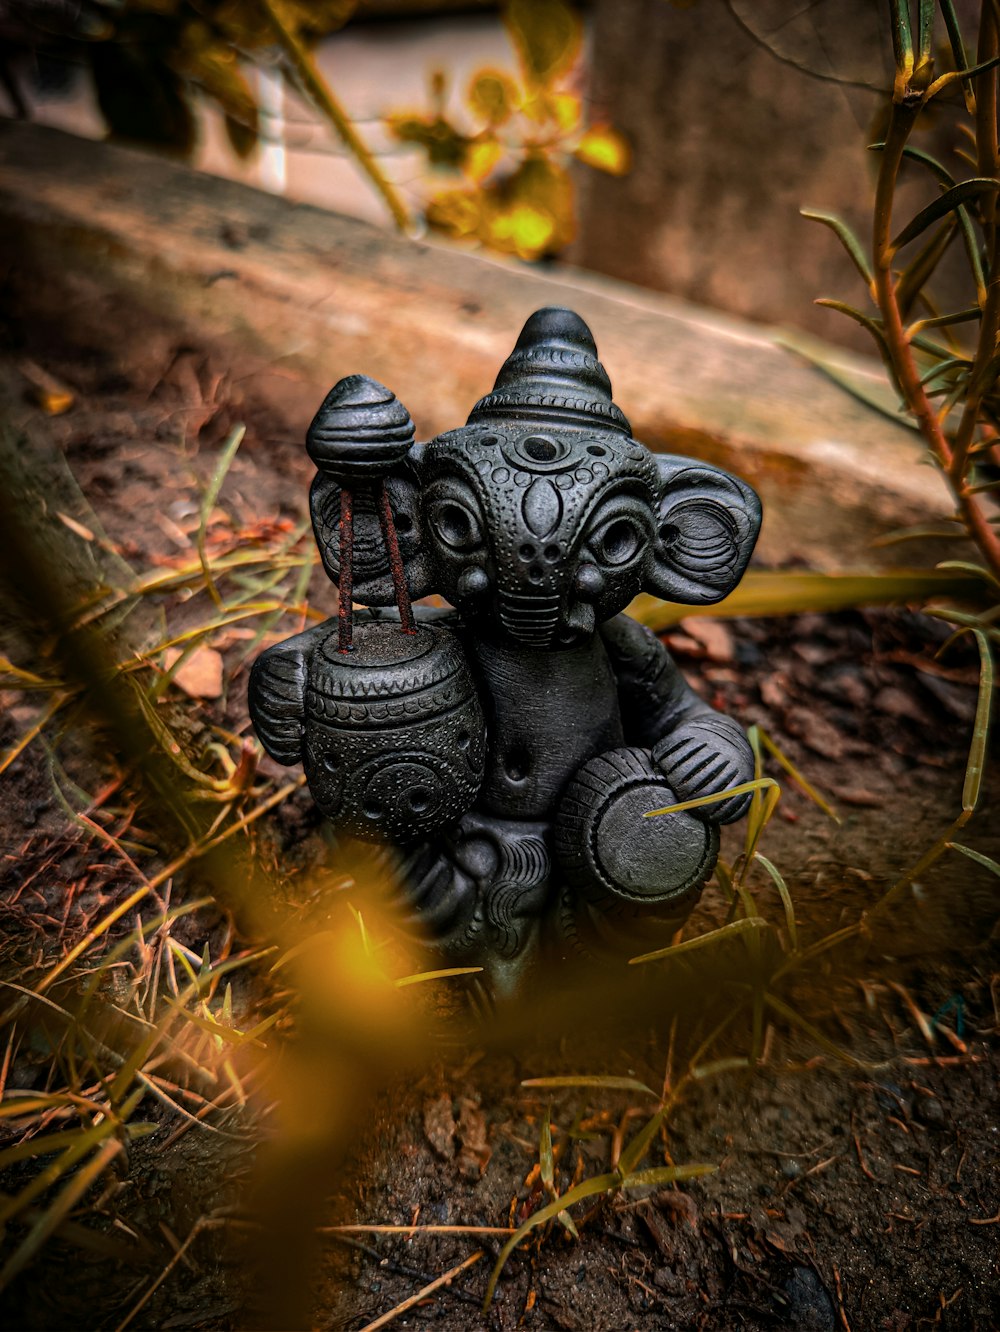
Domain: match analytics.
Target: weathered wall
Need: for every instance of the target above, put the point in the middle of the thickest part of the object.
(137, 256)
(731, 139)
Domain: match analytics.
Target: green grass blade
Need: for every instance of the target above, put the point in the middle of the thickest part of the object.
(814, 1034)
(587, 1188)
(797, 777)
(56, 1169)
(777, 592)
(902, 38)
(658, 1175)
(546, 1160)
(977, 856)
(946, 203)
(786, 900)
(925, 30)
(53, 1215)
(422, 976)
(846, 237)
(869, 322)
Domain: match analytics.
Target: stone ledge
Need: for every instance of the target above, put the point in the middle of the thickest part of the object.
(128, 250)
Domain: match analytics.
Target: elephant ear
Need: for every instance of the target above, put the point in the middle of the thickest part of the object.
(372, 577)
(706, 527)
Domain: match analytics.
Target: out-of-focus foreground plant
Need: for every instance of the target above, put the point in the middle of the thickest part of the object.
(510, 186)
(947, 382)
(150, 59)
(512, 191)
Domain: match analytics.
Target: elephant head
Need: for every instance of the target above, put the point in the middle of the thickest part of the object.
(542, 516)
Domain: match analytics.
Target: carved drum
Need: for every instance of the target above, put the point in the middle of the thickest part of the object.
(395, 741)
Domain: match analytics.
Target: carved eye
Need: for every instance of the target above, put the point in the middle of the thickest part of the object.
(617, 542)
(455, 525)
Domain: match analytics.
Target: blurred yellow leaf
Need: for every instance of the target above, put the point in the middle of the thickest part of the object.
(525, 228)
(565, 109)
(444, 144)
(483, 155)
(530, 213)
(492, 96)
(604, 148)
(546, 34)
(455, 212)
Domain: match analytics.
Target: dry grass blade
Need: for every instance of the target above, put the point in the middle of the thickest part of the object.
(19, 746)
(786, 900)
(584, 1080)
(758, 784)
(445, 1280)
(203, 1223)
(208, 504)
(796, 775)
(748, 926)
(775, 592)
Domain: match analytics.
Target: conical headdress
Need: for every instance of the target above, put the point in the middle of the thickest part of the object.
(553, 377)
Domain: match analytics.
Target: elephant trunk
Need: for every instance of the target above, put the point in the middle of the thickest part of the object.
(529, 619)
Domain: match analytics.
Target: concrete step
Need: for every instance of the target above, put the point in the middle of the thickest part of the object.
(135, 255)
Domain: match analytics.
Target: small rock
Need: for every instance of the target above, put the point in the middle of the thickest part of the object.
(807, 1303)
(930, 1111)
(667, 1280)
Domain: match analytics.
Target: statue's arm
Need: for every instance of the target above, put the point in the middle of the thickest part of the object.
(701, 751)
(277, 693)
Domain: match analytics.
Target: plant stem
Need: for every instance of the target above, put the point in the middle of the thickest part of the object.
(314, 85)
(986, 153)
(906, 104)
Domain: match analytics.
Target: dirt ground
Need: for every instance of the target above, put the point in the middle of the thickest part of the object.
(856, 1181)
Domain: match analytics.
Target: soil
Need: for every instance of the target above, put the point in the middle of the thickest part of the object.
(855, 1182)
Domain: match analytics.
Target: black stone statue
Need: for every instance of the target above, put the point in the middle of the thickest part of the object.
(509, 747)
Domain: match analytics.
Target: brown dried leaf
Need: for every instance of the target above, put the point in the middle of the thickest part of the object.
(200, 676)
(439, 1126)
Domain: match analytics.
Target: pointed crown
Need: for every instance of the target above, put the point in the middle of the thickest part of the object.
(553, 377)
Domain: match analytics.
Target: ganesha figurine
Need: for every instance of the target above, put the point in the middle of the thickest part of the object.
(509, 746)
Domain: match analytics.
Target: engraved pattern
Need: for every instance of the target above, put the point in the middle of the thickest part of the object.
(522, 836)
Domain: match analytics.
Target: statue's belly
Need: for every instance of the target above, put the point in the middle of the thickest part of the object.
(547, 713)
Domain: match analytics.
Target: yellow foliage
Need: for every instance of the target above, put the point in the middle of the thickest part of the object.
(483, 155)
(493, 96)
(604, 148)
(514, 192)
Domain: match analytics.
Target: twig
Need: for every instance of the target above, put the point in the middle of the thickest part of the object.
(440, 1281)
(315, 87)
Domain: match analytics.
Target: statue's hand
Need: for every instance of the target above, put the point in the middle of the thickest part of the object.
(704, 756)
